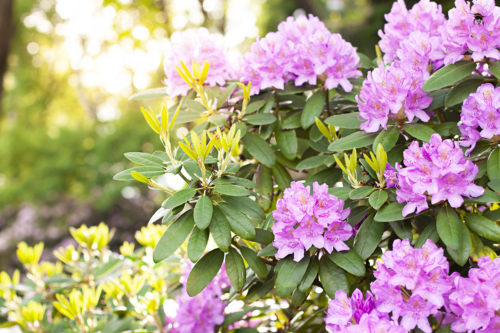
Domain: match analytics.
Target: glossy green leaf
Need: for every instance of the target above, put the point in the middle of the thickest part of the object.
(488, 197)
(346, 120)
(254, 106)
(350, 261)
(286, 141)
(312, 162)
(341, 192)
(309, 275)
(365, 62)
(197, 243)
(149, 94)
(355, 140)
(240, 224)
(483, 226)
(268, 251)
(225, 94)
(461, 91)
(493, 165)
(174, 236)
(449, 75)
(438, 97)
(332, 277)
(290, 275)
(419, 131)
(259, 148)
(217, 119)
(246, 206)
(358, 213)
(220, 229)
(494, 68)
(430, 232)
(390, 213)
(403, 229)
(255, 263)
(147, 171)
(378, 198)
(261, 119)
(281, 176)
(444, 128)
(235, 269)
(145, 159)
(368, 237)
(361, 192)
(225, 180)
(264, 183)
(292, 121)
(179, 198)
(396, 155)
(330, 176)
(387, 138)
(313, 108)
(204, 271)
(454, 234)
(262, 236)
(232, 190)
(203, 212)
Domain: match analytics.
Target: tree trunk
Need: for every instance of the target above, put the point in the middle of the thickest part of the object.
(6, 33)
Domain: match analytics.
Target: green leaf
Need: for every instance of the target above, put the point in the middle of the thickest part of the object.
(387, 138)
(225, 94)
(217, 119)
(145, 159)
(340, 192)
(350, 261)
(329, 176)
(220, 229)
(292, 121)
(298, 298)
(444, 128)
(184, 116)
(197, 243)
(286, 141)
(246, 206)
(493, 215)
(494, 68)
(147, 171)
(449, 75)
(312, 109)
(430, 232)
(235, 181)
(179, 198)
(310, 274)
(261, 119)
(482, 226)
(203, 212)
(240, 224)
(355, 140)
(312, 162)
(149, 94)
(194, 105)
(262, 236)
(259, 290)
(346, 120)
(378, 198)
(281, 176)
(493, 165)
(268, 251)
(390, 213)
(357, 214)
(235, 269)
(252, 107)
(419, 131)
(255, 263)
(290, 275)
(461, 91)
(488, 197)
(173, 237)
(361, 192)
(264, 183)
(259, 149)
(495, 185)
(368, 237)
(332, 277)
(365, 62)
(403, 229)
(232, 190)
(438, 97)
(446, 329)
(204, 271)
(454, 234)
(350, 96)
(396, 154)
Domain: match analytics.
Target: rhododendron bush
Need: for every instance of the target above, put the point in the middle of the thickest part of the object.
(316, 190)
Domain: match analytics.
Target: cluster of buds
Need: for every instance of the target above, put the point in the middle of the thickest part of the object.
(198, 150)
(78, 303)
(227, 145)
(329, 132)
(195, 80)
(351, 164)
(93, 238)
(378, 163)
(30, 316)
(246, 98)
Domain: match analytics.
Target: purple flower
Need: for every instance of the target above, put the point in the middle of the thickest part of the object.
(304, 220)
(391, 176)
(415, 313)
(339, 310)
(196, 45)
(202, 312)
(438, 169)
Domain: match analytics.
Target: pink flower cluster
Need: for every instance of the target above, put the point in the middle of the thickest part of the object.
(304, 220)
(425, 17)
(410, 283)
(301, 50)
(202, 312)
(439, 169)
(195, 45)
(476, 299)
(392, 92)
(463, 33)
(481, 110)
